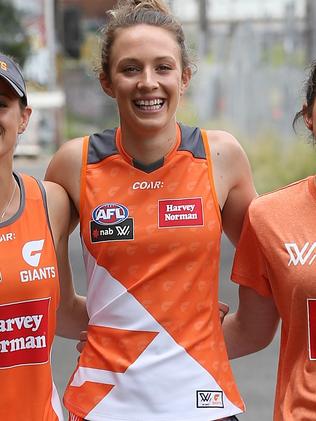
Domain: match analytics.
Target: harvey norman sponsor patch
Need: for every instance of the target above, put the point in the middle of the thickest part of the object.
(180, 212)
(23, 333)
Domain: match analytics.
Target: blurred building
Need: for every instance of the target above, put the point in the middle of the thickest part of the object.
(251, 61)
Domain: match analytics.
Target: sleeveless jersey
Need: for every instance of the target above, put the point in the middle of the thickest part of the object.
(29, 294)
(151, 242)
(276, 256)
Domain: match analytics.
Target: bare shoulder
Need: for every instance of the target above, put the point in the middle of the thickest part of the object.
(69, 154)
(65, 168)
(228, 157)
(58, 204)
(55, 192)
(224, 143)
(233, 180)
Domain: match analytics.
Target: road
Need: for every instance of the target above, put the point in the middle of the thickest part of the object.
(255, 374)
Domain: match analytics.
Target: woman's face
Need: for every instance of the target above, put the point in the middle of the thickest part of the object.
(146, 77)
(13, 120)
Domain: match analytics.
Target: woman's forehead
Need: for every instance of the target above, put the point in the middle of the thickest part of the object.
(135, 39)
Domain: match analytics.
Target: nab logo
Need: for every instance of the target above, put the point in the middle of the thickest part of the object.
(31, 252)
(110, 214)
(301, 256)
(209, 399)
(119, 232)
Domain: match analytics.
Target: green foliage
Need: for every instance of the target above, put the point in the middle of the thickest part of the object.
(276, 163)
(13, 38)
(275, 55)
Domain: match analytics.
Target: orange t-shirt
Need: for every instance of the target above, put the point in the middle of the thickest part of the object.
(29, 294)
(151, 241)
(276, 256)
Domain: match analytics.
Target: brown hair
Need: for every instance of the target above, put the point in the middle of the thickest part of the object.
(128, 13)
(310, 96)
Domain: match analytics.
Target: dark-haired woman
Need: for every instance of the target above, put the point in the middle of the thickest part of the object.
(275, 267)
(35, 276)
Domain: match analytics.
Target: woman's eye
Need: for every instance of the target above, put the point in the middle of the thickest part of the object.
(164, 68)
(130, 69)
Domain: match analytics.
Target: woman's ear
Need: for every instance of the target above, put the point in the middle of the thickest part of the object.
(106, 85)
(186, 78)
(25, 116)
(308, 117)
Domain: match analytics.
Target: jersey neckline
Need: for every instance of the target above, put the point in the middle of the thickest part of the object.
(154, 165)
(14, 217)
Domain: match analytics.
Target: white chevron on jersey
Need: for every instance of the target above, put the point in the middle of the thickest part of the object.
(56, 403)
(163, 376)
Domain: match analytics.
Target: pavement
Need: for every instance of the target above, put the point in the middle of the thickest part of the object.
(255, 374)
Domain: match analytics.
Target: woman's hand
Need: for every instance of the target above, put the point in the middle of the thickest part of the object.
(83, 339)
(223, 310)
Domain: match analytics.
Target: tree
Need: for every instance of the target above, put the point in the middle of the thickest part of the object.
(13, 38)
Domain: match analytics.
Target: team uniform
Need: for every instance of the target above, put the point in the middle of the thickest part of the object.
(29, 295)
(151, 243)
(276, 257)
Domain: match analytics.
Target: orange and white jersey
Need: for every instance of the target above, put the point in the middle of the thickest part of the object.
(29, 295)
(276, 256)
(151, 242)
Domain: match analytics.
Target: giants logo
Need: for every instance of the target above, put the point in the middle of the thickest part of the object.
(23, 333)
(209, 399)
(305, 255)
(31, 253)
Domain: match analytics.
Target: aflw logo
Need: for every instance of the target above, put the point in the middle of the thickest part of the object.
(209, 399)
(305, 255)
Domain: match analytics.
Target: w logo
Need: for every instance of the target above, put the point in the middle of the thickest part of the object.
(209, 399)
(305, 255)
(122, 231)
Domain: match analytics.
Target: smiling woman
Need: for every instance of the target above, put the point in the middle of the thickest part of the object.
(153, 196)
(35, 277)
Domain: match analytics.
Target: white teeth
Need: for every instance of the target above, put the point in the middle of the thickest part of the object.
(149, 103)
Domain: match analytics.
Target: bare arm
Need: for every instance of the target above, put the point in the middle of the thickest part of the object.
(71, 314)
(233, 180)
(253, 326)
(64, 169)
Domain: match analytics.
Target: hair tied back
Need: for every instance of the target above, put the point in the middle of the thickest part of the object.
(156, 5)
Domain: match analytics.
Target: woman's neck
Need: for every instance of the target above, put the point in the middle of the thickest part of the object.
(8, 193)
(148, 147)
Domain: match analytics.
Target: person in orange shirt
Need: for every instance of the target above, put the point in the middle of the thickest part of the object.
(275, 268)
(35, 278)
(153, 196)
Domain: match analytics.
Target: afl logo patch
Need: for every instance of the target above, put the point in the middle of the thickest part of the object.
(110, 214)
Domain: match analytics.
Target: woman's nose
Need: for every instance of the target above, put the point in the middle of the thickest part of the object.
(148, 80)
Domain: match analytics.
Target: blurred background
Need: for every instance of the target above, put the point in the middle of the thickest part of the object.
(252, 59)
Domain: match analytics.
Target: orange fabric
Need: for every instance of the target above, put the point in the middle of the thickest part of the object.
(122, 348)
(91, 394)
(276, 256)
(83, 169)
(210, 171)
(29, 294)
(169, 266)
